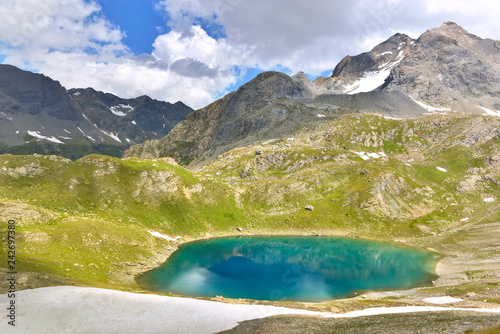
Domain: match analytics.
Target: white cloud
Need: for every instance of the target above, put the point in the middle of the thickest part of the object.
(55, 24)
(70, 41)
(314, 35)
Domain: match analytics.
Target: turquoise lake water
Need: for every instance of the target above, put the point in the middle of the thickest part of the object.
(289, 268)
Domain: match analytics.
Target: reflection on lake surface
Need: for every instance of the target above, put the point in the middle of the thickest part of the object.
(289, 268)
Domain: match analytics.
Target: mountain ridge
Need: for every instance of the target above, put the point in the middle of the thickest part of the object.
(397, 78)
(38, 115)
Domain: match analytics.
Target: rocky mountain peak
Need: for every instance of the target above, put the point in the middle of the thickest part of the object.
(367, 71)
(451, 68)
(452, 28)
(24, 92)
(447, 66)
(271, 85)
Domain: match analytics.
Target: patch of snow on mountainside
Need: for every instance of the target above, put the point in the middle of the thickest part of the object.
(112, 135)
(385, 53)
(490, 112)
(428, 107)
(37, 134)
(373, 80)
(116, 109)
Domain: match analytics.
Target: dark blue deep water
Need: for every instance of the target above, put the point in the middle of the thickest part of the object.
(289, 268)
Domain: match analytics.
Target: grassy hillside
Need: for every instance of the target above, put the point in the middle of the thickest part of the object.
(86, 222)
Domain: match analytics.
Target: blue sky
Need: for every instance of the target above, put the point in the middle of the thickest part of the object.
(196, 51)
(138, 19)
(142, 22)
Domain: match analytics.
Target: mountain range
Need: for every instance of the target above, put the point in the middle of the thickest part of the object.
(38, 115)
(445, 70)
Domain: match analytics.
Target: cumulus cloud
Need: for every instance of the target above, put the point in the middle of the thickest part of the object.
(190, 67)
(209, 44)
(57, 24)
(71, 41)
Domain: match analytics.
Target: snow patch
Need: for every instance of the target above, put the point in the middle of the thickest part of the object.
(406, 309)
(112, 135)
(133, 122)
(115, 109)
(185, 315)
(465, 219)
(66, 131)
(163, 236)
(366, 156)
(385, 53)
(321, 115)
(441, 169)
(373, 80)
(428, 107)
(362, 155)
(17, 132)
(76, 94)
(39, 136)
(369, 82)
(489, 200)
(442, 300)
(490, 112)
(128, 140)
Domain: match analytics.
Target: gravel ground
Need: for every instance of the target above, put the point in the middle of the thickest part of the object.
(421, 323)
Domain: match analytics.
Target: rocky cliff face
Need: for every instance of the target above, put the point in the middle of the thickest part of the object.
(446, 67)
(38, 115)
(450, 67)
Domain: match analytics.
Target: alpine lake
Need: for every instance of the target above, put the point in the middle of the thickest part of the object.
(308, 269)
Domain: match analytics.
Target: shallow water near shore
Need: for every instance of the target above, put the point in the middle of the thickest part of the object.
(310, 269)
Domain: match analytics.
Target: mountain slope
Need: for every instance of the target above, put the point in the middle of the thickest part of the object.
(266, 107)
(38, 115)
(369, 70)
(450, 67)
(445, 70)
(445, 67)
